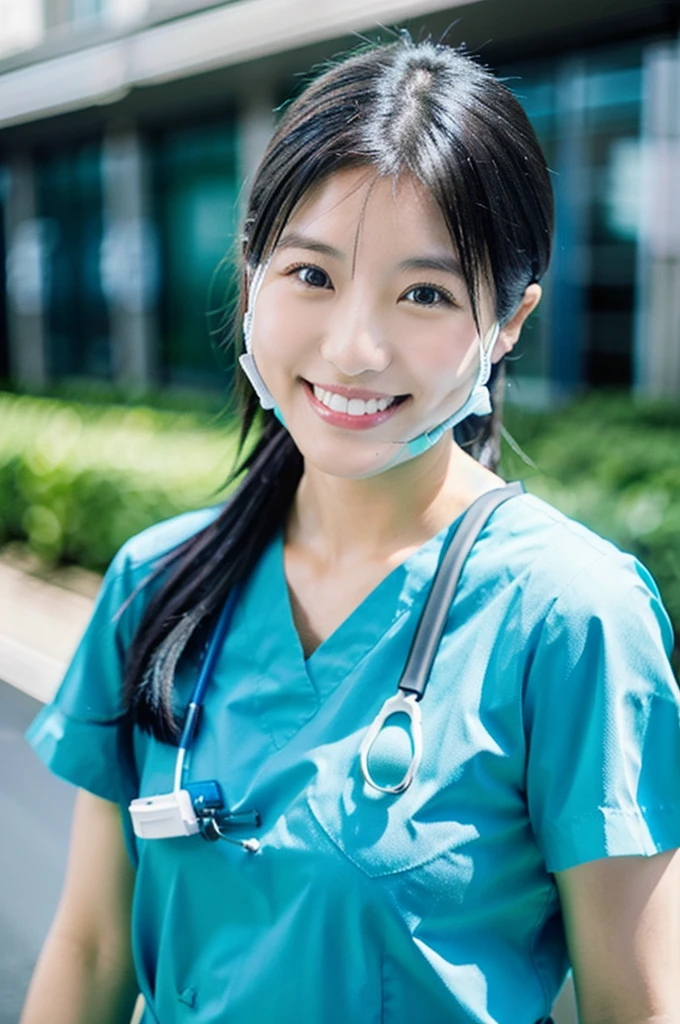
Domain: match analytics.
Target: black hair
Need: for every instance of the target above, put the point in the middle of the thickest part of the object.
(424, 109)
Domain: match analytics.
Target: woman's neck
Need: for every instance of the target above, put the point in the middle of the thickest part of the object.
(378, 518)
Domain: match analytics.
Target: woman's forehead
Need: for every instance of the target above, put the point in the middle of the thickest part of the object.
(359, 208)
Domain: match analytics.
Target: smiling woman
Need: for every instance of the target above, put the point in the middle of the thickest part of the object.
(431, 720)
(385, 274)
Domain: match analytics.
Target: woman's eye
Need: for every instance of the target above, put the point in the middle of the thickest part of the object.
(313, 277)
(428, 295)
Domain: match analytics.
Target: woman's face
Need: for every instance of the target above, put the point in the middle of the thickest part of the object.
(363, 329)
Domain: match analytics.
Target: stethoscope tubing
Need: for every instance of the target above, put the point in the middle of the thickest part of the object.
(196, 702)
(433, 618)
(425, 644)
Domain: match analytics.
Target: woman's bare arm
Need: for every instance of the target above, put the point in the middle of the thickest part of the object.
(622, 918)
(85, 971)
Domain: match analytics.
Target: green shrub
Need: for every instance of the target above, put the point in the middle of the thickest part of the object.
(76, 480)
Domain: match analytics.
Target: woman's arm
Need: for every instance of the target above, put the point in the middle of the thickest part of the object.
(622, 919)
(85, 970)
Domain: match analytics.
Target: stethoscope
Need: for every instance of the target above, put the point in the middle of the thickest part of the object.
(428, 634)
(198, 808)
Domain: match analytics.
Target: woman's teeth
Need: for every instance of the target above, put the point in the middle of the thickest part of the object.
(351, 406)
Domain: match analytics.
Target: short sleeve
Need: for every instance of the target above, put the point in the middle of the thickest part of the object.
(602, 719)
(82, 736)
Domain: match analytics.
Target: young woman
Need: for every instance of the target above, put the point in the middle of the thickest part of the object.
(442, 859)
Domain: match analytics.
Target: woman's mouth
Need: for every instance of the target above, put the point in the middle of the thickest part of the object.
(352, 408)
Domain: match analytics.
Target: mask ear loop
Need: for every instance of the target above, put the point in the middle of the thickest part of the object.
(478, 401)
(247, 360)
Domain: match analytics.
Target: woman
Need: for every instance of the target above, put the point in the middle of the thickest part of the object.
(398, 227)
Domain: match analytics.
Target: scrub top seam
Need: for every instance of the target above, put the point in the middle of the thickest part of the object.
(631, 811)
(264, 716)
(257, 692)
(570, 583)
(570, 526)
(382, 637)
(133, 561)
(410, 567)
(640, 815)
(380, 874)
(598, 556)
(409, 592)
(544, 620)
(100, 722)
(387, 635)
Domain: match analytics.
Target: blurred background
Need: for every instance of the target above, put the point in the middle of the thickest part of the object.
(129, 130)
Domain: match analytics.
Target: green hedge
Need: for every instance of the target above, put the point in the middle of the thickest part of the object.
(614, 465)
(77, 479)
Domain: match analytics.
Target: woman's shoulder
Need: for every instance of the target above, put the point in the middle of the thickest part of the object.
(144, 549)
(537, 536)
(572, 575)
(137, 568)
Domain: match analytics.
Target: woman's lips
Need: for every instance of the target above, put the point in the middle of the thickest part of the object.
(369, 413)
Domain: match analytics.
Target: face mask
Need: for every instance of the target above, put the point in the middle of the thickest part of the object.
(247, 360)
(477, 402)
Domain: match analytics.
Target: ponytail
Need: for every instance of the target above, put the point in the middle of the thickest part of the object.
(203, 571)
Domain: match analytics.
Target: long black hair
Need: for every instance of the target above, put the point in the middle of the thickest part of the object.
(424, 109)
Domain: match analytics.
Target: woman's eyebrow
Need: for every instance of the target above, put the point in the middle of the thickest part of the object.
(449, 264)
(294, 240)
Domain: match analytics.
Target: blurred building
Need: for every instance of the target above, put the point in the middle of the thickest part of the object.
(128, 129)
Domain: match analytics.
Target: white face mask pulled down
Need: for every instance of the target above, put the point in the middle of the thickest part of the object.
(478, 401)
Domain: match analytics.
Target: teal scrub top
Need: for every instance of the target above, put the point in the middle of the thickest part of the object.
(551, 737)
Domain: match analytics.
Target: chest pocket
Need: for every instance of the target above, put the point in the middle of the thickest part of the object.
(382, 834)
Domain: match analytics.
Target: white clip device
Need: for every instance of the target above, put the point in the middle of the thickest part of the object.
(164, 816)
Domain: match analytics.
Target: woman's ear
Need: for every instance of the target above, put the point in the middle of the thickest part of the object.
(509, 333)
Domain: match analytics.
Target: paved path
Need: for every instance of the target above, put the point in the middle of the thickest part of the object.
(35, 809)
(42, 618)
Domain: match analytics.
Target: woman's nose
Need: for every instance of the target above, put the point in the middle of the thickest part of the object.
(354, 344)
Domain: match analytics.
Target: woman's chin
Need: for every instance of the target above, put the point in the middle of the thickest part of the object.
(352, 465)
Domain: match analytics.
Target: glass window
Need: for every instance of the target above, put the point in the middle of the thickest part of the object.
(586, 110)
(530, 362)
(612, 127)
(69, 194)
(197, 196)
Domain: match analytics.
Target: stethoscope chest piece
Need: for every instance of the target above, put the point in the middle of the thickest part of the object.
(400, 704)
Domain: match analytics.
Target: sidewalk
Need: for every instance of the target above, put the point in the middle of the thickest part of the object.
(42, 616)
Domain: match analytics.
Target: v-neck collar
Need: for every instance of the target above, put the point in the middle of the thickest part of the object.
(374, 618)
(287, 689)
